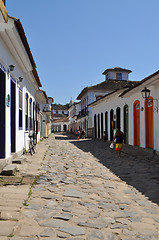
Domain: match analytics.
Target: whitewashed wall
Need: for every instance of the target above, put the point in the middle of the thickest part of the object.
(59, 126)
(23, 134)
(107, 105)
(7, 59)
(155, 94)
(114, 102)
(112, 75)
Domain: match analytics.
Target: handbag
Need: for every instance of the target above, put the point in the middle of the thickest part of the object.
(111, 145)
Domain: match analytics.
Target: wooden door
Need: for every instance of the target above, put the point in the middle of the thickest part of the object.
(126, 124)
(111, 124)
(106, 123)
(102, 125)
(136, 123)
(149, 136)
(118, 117)
(95, 126)
(98, 125)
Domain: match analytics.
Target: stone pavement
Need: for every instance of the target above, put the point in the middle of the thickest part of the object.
(84, 192)
(15, 190)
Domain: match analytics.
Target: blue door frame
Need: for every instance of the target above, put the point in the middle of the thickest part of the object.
(2, 114)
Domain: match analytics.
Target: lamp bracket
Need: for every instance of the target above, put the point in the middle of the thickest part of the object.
(155, 106)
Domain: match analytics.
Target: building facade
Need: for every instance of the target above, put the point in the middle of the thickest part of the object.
(136, 116)
(115, 78)
(19, 84)
(60, 118)
(74, 116)
(60, 125)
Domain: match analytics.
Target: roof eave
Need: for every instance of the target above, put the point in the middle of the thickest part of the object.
(82, 93)
(24, 40)
(3, 11)
(34, 71)
(104, 97)
(140, 83)
(44, 93)
(115, 70)
(22, 35)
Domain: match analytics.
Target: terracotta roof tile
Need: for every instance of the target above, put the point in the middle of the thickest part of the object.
(61, 120)
(24, 40)
(110, 85)
(45, 95)
(116, 69)
(140, 82)
(22, 35)
(59, 107)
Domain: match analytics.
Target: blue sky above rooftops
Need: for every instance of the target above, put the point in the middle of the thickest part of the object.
(74, 41)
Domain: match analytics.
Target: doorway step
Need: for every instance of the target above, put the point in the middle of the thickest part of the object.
(10, 169)
(19, 160)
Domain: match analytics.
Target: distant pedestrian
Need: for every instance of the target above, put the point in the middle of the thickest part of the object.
(83, 134)
(119, 136)
(78, 134)
(105, 136)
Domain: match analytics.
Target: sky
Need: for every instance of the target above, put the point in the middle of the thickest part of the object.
(74, 41)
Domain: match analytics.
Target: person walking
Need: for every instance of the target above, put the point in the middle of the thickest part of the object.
(105, 136)
(83, 134)
(119, 136)
(78, 134)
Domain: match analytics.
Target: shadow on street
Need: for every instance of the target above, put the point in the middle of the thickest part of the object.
(64, 136)
(137, 167)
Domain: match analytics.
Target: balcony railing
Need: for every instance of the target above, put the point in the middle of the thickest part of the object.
(83, 112)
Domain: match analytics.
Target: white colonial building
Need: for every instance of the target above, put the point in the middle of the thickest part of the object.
(115, 78)
(60, 125)
(59, 111)
(44, 114)
(74, 116)
(126, 108)
(19, 85)
(47, 117)
(60, 120)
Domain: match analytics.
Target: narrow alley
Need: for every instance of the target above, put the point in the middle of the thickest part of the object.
(84, 192)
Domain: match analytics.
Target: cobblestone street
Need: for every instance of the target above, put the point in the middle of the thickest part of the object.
(85, 192)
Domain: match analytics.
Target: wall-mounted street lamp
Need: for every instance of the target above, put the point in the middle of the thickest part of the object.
(20, 80)
(155, 106)
(145, 93)
(11, 68)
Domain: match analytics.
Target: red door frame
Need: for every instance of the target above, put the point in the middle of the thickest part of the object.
(149, 128)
